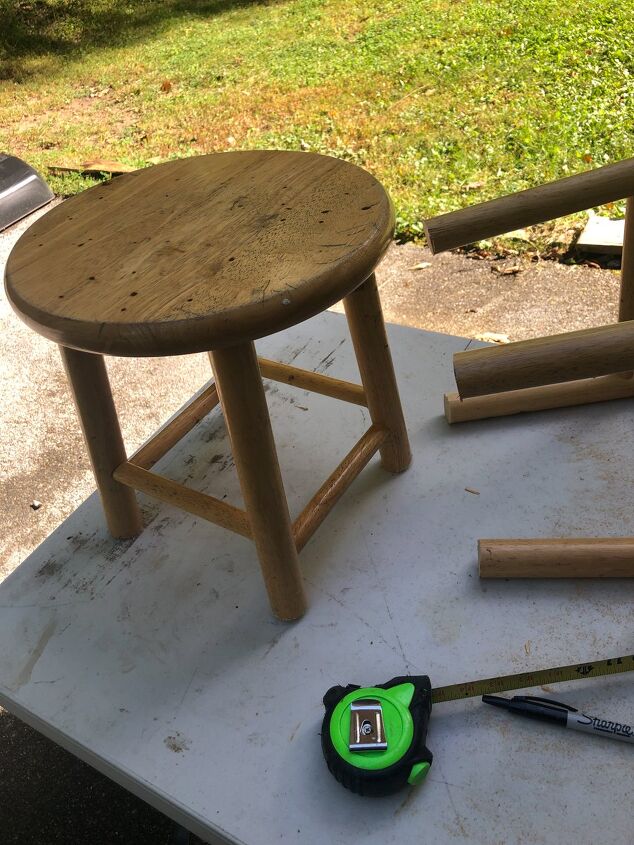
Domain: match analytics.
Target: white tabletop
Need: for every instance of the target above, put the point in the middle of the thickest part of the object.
(159, 663)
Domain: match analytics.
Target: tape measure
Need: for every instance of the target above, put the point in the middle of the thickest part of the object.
(373, 738)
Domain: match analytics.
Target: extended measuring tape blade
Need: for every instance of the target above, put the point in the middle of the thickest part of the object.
(373, 738)
(524, 680)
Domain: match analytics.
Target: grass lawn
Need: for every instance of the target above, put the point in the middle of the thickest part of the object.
(448, 102)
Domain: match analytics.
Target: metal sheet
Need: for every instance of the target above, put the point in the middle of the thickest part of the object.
(22, 190)
(158, 660)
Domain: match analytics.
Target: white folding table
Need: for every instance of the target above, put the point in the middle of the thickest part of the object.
(158, 661)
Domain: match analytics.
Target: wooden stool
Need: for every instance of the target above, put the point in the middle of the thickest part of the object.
(208, 254)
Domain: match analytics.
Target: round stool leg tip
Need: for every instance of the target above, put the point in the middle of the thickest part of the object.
(290, 614)
(396, 464)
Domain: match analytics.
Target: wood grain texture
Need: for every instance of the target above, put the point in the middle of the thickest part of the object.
(168, 436)
(545, 360)
(114, 168)
(172, 493)
(563, 395)
(536, 205)
(98, 417)
(626, 299)
(200, 253)
(336, 485)
(315, 382)
(610, 557)
(367, 329)
(247, 418)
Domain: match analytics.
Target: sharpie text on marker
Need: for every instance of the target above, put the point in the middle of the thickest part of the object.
(557, 713)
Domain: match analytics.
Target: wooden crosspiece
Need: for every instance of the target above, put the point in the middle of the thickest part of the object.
(574, 368)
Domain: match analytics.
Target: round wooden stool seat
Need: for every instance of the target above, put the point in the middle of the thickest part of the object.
(200, 253)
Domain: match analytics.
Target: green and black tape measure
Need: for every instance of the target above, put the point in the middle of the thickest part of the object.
(373, 738)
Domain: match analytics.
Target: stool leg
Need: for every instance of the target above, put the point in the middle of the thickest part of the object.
(239, 383)
(93, 399)
(365, 321)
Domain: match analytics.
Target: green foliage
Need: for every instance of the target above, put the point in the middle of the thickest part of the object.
(448, 102)
(67, 184)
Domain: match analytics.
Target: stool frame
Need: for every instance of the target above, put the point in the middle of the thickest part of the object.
(238, 388)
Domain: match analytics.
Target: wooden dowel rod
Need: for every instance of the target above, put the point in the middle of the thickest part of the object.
(372, 350)
(336, 484)
(610, 557)
(536, 205)
(247, 418)
(200, 504)
(176, 429)
(546, 360)
(626, 301)
(93, 399)
(315, 382)
(580, 392)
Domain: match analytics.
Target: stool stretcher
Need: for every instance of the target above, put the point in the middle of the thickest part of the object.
(336, 484)
(135, 471)
(315, 382)
(173, 493)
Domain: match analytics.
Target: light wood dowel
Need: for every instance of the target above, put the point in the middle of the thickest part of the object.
(336, 484)
(192, 501)
(536, 205)
(545, 360)
(610, 557)
(247, 418)
(176, 429)
(580, 392)
(98, 417)
(316, 382)
(367, 328)
(626, 301)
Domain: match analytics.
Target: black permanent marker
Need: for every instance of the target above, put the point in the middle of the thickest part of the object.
(547, 710)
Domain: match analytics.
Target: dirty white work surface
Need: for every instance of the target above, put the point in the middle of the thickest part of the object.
(158, 661)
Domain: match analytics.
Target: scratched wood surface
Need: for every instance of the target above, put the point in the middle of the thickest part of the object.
(158, 659)
(200, 253)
